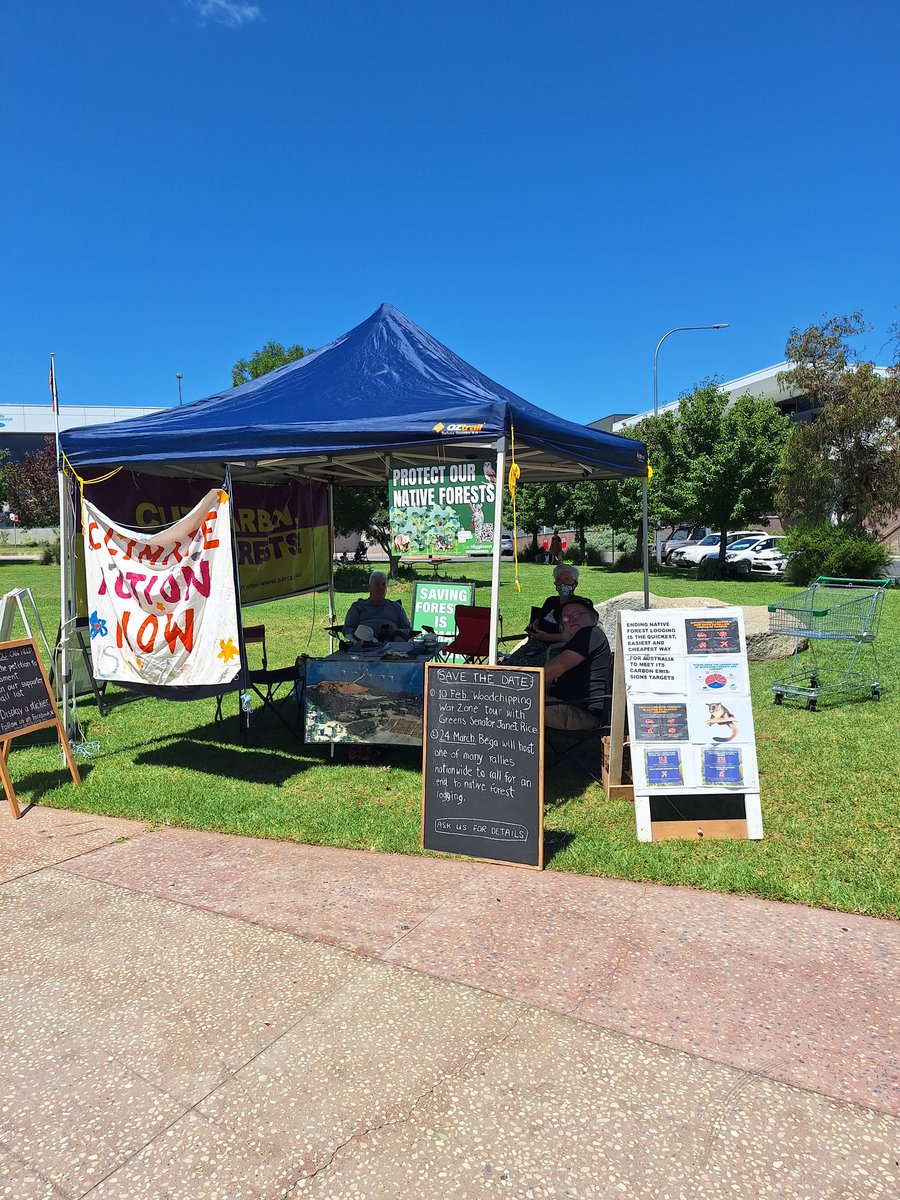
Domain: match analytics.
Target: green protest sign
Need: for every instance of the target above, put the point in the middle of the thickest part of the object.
(447, 509)
(435, 604)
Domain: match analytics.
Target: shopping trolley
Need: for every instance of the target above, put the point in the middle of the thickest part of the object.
(830, 611)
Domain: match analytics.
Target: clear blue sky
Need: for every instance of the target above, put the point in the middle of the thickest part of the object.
(547, 188)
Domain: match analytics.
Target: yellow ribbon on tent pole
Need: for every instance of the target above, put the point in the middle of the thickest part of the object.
(513, 479)
(68, 469)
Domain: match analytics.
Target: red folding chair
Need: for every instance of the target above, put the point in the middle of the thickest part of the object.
(473, 626)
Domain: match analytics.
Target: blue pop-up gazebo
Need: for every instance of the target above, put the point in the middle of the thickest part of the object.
(385, 393)
(386, 387)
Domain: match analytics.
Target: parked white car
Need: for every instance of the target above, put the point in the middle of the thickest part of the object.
(760, 554)
(693, 553)
(697, 552)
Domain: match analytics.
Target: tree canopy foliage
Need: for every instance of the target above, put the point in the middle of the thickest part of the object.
(4, 467)
(845, 463)
(33, 487)
(261, 362)
(364, 510)
(715, 464)
(537, 505)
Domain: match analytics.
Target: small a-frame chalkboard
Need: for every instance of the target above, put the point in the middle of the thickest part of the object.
(482, 763)
(26, 704)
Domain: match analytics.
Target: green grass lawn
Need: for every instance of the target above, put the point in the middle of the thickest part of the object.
(829, 779)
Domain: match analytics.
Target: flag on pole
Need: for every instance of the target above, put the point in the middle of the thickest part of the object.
(54, 403)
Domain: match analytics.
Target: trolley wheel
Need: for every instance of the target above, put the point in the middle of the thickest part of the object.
(876, 693)
(811, 704)
(779, 697)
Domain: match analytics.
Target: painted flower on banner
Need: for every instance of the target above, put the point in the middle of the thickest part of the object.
(228, 650)
(98, 625)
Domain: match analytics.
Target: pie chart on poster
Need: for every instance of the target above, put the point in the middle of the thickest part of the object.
(715, 681)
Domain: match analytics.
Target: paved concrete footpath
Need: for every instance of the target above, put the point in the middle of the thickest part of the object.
(196, 1016)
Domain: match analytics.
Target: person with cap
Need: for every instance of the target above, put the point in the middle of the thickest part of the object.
(577, 679)
(374, 617)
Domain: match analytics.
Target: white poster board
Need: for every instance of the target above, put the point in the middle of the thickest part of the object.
(693, 747)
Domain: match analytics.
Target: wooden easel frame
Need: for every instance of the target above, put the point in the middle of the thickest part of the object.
(55, 721)
(648, 829)
(15, 601)
(616, 789)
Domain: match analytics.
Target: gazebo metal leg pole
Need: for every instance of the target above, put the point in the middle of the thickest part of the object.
(495, 563)
(243, 716)
(66, 555)
(646, 506)
(331, 611)
(331, 608)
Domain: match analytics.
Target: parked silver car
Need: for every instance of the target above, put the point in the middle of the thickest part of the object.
(682, 536)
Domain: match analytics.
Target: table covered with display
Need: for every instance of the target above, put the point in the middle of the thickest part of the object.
(374, 696)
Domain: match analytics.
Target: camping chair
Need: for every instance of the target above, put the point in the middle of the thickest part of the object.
(337, 632)
(473, 625)
(280, 692)
(575, 745)
(277, 689)
(81, 670)
(535, 660)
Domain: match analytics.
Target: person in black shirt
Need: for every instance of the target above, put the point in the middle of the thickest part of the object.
(577, 679)
(546, 629)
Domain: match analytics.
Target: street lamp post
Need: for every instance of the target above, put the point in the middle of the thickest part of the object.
(678, 329)
(178, 377)
(646, 502)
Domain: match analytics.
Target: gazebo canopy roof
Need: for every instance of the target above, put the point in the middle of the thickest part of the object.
(384, 392)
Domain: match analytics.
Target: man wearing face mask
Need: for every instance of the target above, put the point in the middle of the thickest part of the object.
(545, 630)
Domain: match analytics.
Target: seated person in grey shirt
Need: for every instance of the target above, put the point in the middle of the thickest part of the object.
(384, 617)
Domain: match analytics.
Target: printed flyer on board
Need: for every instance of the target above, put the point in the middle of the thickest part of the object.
(688, 694)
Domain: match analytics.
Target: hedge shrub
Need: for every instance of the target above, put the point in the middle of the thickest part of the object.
(840, 551)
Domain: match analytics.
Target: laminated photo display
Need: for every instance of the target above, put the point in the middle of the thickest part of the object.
(715, 676)
(688, 694)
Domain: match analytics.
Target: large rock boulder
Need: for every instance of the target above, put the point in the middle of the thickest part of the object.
(761, 645)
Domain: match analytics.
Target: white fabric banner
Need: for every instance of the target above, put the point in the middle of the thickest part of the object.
(161, 605)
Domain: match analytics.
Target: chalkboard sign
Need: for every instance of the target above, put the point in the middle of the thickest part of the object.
(482, 763)
(26, 703)
(25, 700)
